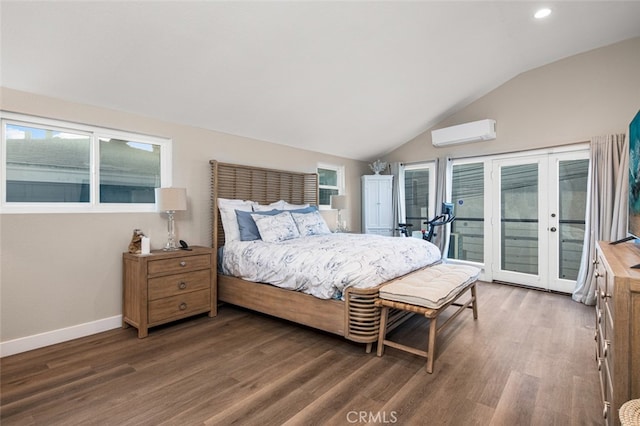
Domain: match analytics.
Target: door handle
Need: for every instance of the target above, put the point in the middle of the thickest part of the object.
(553, 229)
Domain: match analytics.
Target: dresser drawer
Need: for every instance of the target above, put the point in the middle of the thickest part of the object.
(172, 285)
(179, 306)
(179, 264)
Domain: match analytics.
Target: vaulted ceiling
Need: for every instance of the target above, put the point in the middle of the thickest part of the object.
(353, 79)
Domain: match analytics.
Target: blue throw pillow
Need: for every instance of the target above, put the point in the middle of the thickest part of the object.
(247, 226)
(309, 209)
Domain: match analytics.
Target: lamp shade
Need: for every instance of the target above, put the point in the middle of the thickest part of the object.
(339, 202)
(171, 199)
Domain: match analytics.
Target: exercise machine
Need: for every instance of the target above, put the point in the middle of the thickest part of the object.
(446, 216)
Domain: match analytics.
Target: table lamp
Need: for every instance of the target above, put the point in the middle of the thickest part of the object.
(339, 202)
(171, 200)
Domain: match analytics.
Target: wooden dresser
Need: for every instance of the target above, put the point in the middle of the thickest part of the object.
(618, 325)
(166, 286)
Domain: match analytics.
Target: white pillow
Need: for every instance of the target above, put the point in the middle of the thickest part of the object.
(228, 217)
(288, 206)
(310, 223)
(227, 202)
(278, 205)
(274, 229)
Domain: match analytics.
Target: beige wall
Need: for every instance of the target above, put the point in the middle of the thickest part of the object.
(569, 101)
(62, 270)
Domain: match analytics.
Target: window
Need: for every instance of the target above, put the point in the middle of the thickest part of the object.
(53, 166)
(419, 194)
(330, 182)
(467, 194)
(129, 171)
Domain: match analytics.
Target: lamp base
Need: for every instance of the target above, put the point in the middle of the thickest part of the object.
(171, 235)
(340, 223)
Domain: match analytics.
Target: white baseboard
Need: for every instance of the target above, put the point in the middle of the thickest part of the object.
(24, 344)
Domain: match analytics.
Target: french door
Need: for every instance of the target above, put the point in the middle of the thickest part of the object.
(537, 223)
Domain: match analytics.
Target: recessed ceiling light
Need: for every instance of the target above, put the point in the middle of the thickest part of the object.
(542, 13)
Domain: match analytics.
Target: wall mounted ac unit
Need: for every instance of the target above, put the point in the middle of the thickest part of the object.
(482, 130)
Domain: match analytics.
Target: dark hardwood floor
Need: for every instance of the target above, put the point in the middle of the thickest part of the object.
(528, 359)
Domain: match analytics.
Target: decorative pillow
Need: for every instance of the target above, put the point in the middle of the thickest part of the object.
(278, 205)
(276, 228)
(308, 209)
(228, 217)
(310, 223)
(247, 226)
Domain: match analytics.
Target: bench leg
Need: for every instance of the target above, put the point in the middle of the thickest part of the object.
(384, 313)
(475, 301)
(431, 351)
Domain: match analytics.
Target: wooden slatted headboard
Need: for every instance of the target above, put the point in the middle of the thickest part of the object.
(258, 184)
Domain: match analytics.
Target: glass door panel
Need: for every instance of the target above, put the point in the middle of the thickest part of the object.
(568, 200)
(467, 195)
(519, 218)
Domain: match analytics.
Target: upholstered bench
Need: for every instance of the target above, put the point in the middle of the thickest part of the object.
(428, 292)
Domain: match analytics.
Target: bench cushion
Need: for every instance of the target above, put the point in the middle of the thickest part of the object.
(432, 287)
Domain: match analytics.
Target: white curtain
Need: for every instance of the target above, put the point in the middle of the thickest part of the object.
(399, 213)
(442, 238)
(607, 201)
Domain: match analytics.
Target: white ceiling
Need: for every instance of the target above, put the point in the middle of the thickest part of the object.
(353, 79)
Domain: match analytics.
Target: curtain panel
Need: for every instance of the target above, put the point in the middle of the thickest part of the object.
(443, 193)
(399, 214)
(607, 203)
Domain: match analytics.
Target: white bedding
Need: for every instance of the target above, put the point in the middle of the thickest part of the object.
(325, 265)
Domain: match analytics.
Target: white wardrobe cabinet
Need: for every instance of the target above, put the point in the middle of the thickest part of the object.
(377, 208)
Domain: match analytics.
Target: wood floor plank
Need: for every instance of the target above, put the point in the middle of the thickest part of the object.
(257, 378)
(528, 359)
(251, 406)
(583, 394)
(336, 398)
(49, 400)
(511, 410)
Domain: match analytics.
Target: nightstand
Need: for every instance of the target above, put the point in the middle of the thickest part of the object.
(166, 286)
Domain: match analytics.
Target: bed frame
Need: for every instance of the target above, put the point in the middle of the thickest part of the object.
(356, 318)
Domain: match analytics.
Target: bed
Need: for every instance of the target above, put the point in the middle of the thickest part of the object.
(354, 316)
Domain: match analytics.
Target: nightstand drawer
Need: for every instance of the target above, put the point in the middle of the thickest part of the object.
(179, 264)
(179, 306)
(171, 285)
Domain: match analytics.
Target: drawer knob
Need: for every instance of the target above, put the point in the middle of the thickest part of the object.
(599, 364)
(605, 411)
(605, 351)
(183, 263)
(183, 306)
(599, 317)
(182, 285)
(596, 274)
(604, 295)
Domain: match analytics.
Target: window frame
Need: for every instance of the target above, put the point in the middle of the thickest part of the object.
(431, 166)
(485, 161)
(95, 133)
(340, 182)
